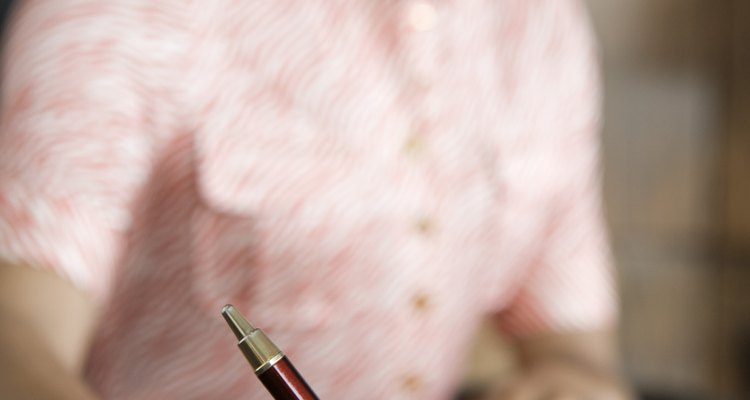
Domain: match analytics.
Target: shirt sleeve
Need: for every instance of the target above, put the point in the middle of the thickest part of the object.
(568, 285)
(79, 112)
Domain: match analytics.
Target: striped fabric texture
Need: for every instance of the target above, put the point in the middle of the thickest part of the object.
(365, 180)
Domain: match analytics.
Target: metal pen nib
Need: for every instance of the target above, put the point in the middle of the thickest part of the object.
(258, 349)
(271, 366)
(236, 321)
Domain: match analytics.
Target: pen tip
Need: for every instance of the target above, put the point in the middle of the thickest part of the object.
(236, 321)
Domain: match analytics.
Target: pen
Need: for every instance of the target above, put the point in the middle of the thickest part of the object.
(271, 366)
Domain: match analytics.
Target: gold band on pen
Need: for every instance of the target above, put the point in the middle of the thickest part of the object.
(259, 351)
(263, 368)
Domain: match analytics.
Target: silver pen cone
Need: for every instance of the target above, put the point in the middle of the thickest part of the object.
(258, 349)
(236, 321)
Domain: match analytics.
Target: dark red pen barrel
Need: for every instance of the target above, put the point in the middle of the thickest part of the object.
(284, 382)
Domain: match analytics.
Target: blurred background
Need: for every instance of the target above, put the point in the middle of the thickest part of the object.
(676, 144)
(677, 189)
(677, 153)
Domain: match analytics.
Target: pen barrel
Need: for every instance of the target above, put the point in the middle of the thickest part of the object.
(284, 382)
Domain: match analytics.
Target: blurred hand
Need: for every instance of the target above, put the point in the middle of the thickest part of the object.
(561, 381)
(42, 354)
(572, 366)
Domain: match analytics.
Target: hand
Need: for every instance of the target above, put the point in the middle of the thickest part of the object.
(559, 380)
(42, 355)
(574, 366)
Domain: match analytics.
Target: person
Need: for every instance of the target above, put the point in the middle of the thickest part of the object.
(367, 181)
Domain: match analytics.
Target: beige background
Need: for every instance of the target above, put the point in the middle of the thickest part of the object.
(676, 147)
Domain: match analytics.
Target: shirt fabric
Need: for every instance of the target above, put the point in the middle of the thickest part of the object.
(365, 180)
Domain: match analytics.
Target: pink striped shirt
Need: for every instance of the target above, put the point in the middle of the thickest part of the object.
(365, 180)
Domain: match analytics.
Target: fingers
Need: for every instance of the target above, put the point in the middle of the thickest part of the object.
(522, 389)
(559, 385)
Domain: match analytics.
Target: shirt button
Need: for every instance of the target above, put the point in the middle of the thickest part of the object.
(421, 302)
(411, 383)
(415, 145)
(422, 16)
(425, 225)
